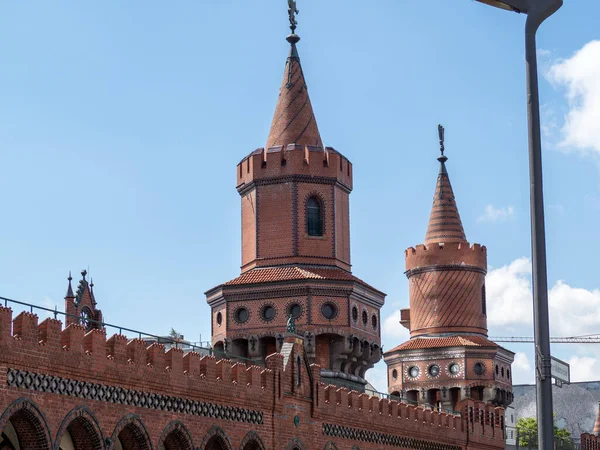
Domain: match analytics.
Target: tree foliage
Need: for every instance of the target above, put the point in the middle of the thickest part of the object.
(527, 434)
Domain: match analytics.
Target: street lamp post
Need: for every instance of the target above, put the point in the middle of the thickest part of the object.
(537, 11)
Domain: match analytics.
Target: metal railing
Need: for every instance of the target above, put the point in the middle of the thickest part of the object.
(177, 343)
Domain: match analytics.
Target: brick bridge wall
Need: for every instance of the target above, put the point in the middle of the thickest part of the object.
(120, 394)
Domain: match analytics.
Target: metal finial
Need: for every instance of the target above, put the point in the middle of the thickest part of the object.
(70, 277)
(92, 283)
(292, 11)
(441, 134)
(83, 273)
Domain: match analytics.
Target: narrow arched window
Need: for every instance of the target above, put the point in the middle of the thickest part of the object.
(483, 305)
(298, 371)
(314, 219)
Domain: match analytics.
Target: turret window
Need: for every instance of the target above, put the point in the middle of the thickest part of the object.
(314, 217)
(483, 305)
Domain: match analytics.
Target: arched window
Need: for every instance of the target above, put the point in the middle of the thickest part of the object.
(298, 371)
(483, 305)
(314, 218)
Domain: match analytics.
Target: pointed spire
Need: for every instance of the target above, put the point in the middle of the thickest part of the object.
(70, 288)
(597, 424)
(444, 222)
(294, 120)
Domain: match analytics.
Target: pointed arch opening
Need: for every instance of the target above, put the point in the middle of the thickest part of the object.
(23, 427)
(216, 439)
(130, 434)
(175, 437)
(314, 216)
(252, 442)
(79, 431)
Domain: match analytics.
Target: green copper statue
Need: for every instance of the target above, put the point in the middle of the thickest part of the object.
(291, 326)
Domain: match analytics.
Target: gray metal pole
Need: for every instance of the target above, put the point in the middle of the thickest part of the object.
(535, 17)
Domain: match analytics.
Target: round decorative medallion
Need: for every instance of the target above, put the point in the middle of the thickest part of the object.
(219, 318)
(295, 310)
(241, 315)
(267, 313)
(413, 372)
(85, 318)
(479, 368)
(433, 371)
(329, 310)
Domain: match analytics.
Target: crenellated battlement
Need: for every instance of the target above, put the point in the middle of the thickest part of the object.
(590, 441)
(463, 254)
(117, 370)
(82, 354)
(482, 421)
(293, 159)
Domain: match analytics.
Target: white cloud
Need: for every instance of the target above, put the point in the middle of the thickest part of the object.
(493, 214)
(377, 376)
(584, 368)
(522, 369)
(508, 290)
(393, 330)
(580, 76)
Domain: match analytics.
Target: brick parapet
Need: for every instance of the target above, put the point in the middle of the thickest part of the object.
(449, 254)
(47, 350)
(590, 442)
(276, 162)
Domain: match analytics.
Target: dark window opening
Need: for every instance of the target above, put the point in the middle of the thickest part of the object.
(219, 318)
(284, 162)
(268, 312)
(483, 305)
(374, 321)
(354, 313)
(365, 317)
(329, 310)
(314, 219)
(295, 310)
(298, 371)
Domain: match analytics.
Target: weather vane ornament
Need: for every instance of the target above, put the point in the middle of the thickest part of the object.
(292, 11)
(441, 133)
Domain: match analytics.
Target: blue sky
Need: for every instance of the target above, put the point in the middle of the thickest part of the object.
(121, 124)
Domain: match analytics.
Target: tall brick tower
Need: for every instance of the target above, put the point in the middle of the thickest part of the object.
(296, 249)
(448, 357)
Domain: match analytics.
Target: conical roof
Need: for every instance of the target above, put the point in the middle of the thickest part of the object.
(294, 120)
(444, 221)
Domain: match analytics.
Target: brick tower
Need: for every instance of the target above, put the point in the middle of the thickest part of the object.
(296, 249)
(448, 357)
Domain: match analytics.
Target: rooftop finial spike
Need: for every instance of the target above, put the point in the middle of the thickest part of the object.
(83, 273)
(69, 289)
(292, 11)
(442, 158)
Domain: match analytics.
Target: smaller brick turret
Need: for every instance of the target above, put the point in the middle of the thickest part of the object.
(81, 307)
(448, 358)
(597, 424)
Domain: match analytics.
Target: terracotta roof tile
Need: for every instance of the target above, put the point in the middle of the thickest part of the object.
(276, 274)
(444, 342)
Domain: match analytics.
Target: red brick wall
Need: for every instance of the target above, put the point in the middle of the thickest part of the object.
(93, 387)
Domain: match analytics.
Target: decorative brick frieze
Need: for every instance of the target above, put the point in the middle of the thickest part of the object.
(357, 434)
(113, 394)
